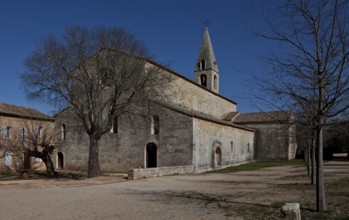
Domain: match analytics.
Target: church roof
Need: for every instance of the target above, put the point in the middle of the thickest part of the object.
(206, 53)
(263, 117)
(22, 112)
(203, 116)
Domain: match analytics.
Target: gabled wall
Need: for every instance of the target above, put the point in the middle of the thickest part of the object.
(188, 94)
(274, 140)
(236, 145)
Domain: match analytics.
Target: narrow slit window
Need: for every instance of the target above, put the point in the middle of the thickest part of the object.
(114, 128)
(64, 132)
(155, 124)
(215, 82)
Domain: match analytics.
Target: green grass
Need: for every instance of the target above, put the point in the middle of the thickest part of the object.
(257, 165)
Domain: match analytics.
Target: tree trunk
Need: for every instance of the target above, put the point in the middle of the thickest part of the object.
(320, 185)
(49, 165)
(93, 162)
(26, 161)
(313, 161)
(307, 158)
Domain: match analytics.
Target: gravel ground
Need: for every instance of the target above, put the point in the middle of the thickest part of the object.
(173, 197)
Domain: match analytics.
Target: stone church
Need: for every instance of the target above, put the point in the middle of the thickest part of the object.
(196, 130)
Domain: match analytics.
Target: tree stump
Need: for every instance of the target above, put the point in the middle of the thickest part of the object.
(291, 211)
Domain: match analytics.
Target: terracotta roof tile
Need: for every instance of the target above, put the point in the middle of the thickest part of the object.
(230, 116)
(255, 117)
(13, 110)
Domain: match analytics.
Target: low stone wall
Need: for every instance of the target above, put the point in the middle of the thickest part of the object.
(158, 171)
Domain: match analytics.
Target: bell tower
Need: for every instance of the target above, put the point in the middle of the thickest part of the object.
(206, 69)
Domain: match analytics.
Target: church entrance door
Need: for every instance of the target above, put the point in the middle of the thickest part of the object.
(151, 155)
(218, 156)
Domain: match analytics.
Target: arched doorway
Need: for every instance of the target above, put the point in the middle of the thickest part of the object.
(218, 157)
(151, 155)
(60, 160)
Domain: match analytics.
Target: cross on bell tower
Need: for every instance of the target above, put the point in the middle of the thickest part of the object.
(206, 69)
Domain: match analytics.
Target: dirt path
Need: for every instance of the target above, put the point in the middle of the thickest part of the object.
(206, 196)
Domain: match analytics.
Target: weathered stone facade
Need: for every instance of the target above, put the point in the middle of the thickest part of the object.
(126, 148)
(275, 134)
(14, 124)
(181, 135)
(218, 145)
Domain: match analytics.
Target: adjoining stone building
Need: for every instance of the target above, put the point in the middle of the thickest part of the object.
(14, 124)
(275, 136)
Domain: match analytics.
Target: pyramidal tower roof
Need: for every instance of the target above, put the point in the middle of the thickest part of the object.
(206, 53)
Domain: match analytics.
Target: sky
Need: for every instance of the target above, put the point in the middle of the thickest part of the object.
(171, 30)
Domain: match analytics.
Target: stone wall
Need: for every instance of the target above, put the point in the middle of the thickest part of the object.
(274, 141)
(188, 94)
(236, 145)
(126, 149)
(158, 171)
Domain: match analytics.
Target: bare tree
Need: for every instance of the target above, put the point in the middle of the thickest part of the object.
(34, 140)
(310, 73)
(99, 73)
(39, 142)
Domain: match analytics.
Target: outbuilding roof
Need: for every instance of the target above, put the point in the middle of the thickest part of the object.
(22, 112)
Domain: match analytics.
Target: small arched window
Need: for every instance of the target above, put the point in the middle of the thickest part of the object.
(114, 127)
(64, 131)
(203, 80)
(155, 124)
(231, 146)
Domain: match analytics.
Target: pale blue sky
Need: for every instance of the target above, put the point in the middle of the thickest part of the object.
(172, 31)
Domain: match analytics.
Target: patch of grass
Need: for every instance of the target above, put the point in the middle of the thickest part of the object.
(259, 212)
(294, 177)
(257, 165)
(342, 183)
(226, 207)
(277, 205)
(327, 215)
(296, 186)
